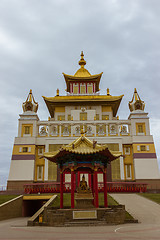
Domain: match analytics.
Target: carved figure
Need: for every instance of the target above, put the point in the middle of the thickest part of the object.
(83, 184)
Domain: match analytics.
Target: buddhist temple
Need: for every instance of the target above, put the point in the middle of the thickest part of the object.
(40, 147)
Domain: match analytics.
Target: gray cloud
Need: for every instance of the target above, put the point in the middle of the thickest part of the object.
(41, 39)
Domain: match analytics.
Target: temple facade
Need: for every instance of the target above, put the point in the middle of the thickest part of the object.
(83, 108)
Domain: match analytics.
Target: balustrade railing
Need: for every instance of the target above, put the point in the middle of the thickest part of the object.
(128, 187)
(96, 128)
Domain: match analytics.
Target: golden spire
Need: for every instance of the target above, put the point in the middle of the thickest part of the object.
(30, 96)
(135, 94)
(136, 103)
(30, 104)
(82, 62)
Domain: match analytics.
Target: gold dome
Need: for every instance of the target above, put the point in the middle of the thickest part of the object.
(82, 72)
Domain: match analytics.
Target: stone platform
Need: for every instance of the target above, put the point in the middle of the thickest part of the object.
(83, 217)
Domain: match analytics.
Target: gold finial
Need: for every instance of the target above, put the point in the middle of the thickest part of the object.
(108, 94)
(57, 92)
(49, 118)
(117, 117)
(72, 118)
(82, 62)
(30, 96)
(94, 118)
(135, 92)
(82, 131)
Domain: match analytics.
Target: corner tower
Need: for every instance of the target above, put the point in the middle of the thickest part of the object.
(144, 154)
(24, 149)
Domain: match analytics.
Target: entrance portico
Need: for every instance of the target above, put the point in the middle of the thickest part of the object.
(83, 155)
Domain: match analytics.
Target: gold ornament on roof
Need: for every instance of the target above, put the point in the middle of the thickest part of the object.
(30, 104)
(82, 72)
(108, 94)
(136, 103)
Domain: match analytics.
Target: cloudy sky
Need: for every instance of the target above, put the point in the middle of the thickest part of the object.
(40, 39)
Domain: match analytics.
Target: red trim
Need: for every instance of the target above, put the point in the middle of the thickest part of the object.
(93, 87)
(61, 190)
(72, 189)
(86, 88)
(144, 155)
(23, 157)
(105, 189)
(96, 190)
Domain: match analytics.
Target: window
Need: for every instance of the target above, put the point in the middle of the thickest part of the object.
(138, 148)
(83, 89)
(97, 116)
(140, 128)
(105, 117)
(90, 88)
(40, 150)
(115, 166)
(27, 130)
(83, 116)
(147, 147)
(39, 172)
(127, 150)
(143, 148)
(75, 89)
(25, 149)
(61, 117)
(128, 171)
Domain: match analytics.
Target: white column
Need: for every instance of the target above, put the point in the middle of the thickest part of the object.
(46, 164)
(106, 129)
(60, 129)
(121, 162)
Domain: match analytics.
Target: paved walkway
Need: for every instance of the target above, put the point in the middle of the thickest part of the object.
(143, 209)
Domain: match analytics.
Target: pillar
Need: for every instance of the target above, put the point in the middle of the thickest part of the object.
(61, 189)
(96, 189)
(72, 187)
(105, 188)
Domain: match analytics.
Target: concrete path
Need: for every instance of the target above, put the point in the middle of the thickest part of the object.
(143, 209)
(146, 211)
(16, 229)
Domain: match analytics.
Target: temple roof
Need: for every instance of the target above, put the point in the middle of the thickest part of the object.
(83, 146)
(108, 100)
(82, 75)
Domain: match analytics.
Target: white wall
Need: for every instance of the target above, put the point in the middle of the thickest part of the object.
(21, 170)
(146, 169)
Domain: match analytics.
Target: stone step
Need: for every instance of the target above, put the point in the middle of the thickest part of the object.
(85, 223)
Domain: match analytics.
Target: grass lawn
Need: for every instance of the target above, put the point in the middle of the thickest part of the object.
(5, 198)
(67, 200)
(152, 196)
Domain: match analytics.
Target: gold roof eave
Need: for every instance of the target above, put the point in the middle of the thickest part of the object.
(71, 78)
(82, 146)
(113, 101)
